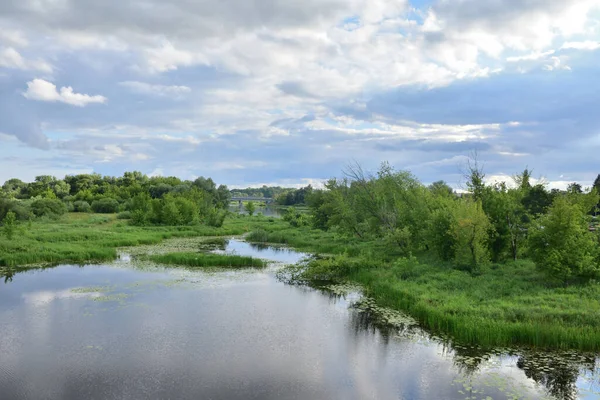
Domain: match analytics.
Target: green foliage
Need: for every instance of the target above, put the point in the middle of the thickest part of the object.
(82, 206)
(21, 209)
(52, 208)
(9, 225)
(561, 244)
(250, 208)
(124, 215)
(294, 196)
(296, 218)
(216, 217)
(208, 260)
(509, 218)
(105, 206)
(469, 230)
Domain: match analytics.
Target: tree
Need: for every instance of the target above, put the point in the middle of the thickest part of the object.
(523, 180)
(537, 200)
(507, 214)
(475, 177)
(574, 188)
(250, 208)
(441, 188)
(597, 183)
(470, 233)
(561, 244)
(10, 223)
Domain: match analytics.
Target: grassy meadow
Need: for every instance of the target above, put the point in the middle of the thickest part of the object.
(81, 238)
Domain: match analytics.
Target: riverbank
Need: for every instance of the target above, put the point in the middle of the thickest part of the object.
(503, 305)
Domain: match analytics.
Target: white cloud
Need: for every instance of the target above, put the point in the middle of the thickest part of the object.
(13, 38)
(41, 90)
(556, 63)
(156, 90)
(585, 45)
(11, 58)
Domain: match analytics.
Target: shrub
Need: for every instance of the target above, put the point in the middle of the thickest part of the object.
(10, 224)
(21, 209)
(250, 208)
(216, 218)
(48, 208)
(81, 206)
(105, 206)
(124, 215)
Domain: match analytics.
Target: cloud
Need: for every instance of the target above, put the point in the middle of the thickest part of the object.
(156, 90)
(41, 90)
(10, 58)
(585, 45)
(282, 90)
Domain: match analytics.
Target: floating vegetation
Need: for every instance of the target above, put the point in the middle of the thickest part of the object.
(384, 316)
(182, 245)
(118, 297)
(343, 289)
(208, 260)
(92, 289)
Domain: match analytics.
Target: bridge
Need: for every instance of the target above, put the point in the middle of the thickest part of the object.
(267, 200)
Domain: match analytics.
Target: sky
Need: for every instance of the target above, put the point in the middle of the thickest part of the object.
(290, 92)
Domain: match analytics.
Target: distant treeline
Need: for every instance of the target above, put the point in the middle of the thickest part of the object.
(283, 196)
(146, 200)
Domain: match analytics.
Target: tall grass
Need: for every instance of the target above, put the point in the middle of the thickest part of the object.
(81, 238)
(208, 260)
(505, 305)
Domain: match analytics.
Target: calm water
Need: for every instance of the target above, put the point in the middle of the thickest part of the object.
(123, 332)
(268, 211)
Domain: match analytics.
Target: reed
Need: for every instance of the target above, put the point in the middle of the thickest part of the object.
(208, 260)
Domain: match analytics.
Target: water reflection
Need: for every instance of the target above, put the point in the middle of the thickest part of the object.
(111, 331)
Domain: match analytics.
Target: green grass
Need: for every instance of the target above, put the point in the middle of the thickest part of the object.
(208, 260)
(82, 238)
(507, 305)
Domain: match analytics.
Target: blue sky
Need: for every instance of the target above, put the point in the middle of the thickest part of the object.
(289, 92)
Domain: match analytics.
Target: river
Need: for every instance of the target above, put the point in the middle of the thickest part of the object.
(126, 330)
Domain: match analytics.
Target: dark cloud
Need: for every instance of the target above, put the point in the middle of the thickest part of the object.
(297, 89)
(175, 19)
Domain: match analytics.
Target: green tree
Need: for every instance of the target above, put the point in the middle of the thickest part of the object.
(475, 177)
(250, 208)
(10, 224)
(561, 244)
(507, 214)
(441, 188)
(470, 233)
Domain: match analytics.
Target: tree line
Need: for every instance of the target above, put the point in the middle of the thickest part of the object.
(145, 200)
(490, 223)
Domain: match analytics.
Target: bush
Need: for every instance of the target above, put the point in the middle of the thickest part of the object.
(9, 222)
(296, 218)
(48, 208)
(250, 208)
(105, 206)
(124, 215)
(81, 206)
(216, 218)
(21, 209)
